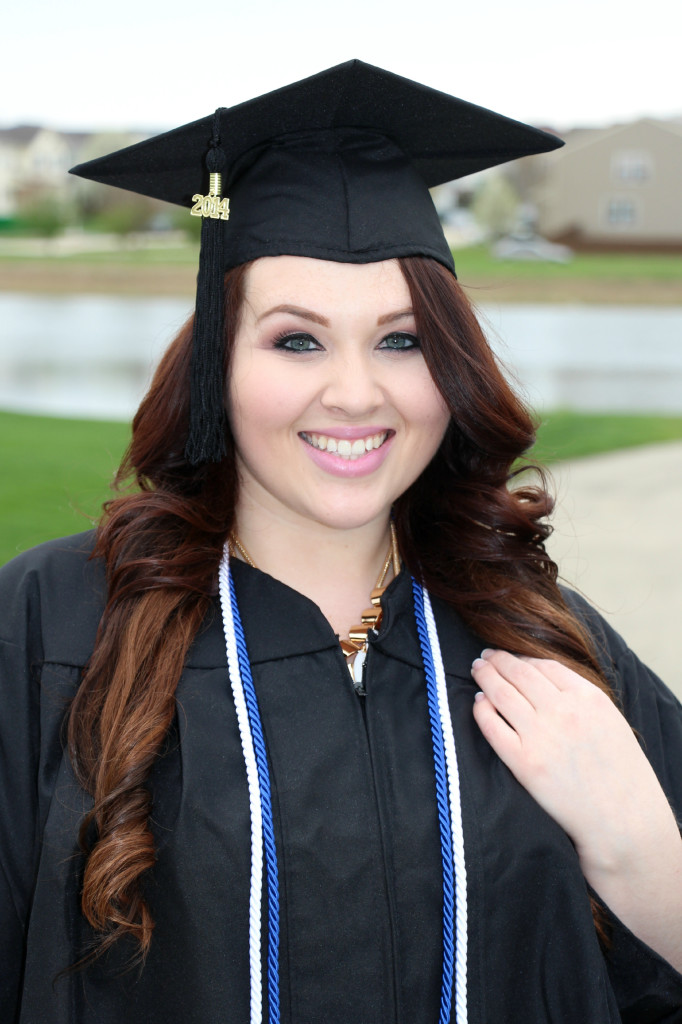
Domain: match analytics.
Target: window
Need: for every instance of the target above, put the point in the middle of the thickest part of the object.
(621, 212)
(631, 167)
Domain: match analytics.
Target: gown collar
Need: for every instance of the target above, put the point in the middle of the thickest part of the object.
(279, 623)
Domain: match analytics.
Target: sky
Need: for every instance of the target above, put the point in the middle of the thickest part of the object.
(151, 66)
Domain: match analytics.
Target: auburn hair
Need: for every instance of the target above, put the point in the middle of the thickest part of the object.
(468, 528)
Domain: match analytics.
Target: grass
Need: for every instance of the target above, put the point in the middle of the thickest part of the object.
(606, 278)
(477, 261)
(610, 278)
(55, 475)
(56, 472)
(564, 434)
(143, 257)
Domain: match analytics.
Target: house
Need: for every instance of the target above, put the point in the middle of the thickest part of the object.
(34, 162)
(613, 188)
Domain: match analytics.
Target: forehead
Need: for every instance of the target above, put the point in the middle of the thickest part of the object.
(314, 284)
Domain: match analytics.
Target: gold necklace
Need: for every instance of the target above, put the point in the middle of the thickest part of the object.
(236, 545)
(370, 618)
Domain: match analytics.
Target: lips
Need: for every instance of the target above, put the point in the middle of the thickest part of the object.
(345, 448)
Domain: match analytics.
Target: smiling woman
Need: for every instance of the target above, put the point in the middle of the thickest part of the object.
(323, 479)
(334, 414)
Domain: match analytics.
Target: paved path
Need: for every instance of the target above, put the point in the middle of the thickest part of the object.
(618, 539)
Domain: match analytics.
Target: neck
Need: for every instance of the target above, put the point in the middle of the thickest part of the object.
(337, 569)
(293, 552)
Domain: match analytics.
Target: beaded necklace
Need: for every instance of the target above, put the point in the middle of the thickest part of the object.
(263, 847)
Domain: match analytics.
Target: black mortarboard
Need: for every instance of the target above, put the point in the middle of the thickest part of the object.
(336, 167)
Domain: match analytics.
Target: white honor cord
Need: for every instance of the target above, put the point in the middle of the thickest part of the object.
(455, 816)
(256, 886)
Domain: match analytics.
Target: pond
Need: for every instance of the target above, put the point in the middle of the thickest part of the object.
(92, 356)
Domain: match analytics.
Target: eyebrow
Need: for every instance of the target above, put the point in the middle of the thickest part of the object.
(390, 318)
(305, 314)
(317, 318)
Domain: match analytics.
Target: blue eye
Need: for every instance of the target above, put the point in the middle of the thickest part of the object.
(297, 343)
(399, 342)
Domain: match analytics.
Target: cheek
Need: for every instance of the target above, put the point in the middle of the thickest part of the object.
(428, 411)
(433, 422)
(261, 407)
(245, 413)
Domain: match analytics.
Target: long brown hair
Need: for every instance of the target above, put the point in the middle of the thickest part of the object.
(472, 538)
(470, 527)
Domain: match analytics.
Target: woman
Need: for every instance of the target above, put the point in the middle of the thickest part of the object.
(463, 827)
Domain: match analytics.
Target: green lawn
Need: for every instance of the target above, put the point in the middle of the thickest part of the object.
(55, 473)
(475, 261)
(610, 279)
(614, 266)
(161, 255)
(571, 435)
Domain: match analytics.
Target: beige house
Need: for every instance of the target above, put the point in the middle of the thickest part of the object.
(614, 187)
(34, 162)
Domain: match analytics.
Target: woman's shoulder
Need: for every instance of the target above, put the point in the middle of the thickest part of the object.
(61, 567)
(627, 674)
(651, 708)
(61, 549)
(53, 596)
(615, 656)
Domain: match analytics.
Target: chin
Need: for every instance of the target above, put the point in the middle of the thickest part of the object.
(352, 517)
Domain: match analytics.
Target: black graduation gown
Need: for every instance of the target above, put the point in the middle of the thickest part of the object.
(356, 830)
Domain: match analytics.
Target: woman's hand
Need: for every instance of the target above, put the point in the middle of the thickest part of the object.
(569, 746)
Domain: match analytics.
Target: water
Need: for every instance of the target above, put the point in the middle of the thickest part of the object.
(92, 356)
(599, 358)
(82, 355)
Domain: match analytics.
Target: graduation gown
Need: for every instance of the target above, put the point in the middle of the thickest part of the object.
(355, 826)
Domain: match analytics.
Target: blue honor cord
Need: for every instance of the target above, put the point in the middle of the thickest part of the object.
(263, 846)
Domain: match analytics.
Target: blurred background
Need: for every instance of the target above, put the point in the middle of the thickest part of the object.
(573, 259)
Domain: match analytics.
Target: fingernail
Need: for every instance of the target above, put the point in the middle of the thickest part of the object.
(479, 695)
(487, 653)
(477, 662)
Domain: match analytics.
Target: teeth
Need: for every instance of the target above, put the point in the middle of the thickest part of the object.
(346, 449)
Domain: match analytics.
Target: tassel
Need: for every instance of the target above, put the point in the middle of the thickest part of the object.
(207, 421)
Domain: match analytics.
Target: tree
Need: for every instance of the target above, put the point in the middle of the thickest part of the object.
(496, 205)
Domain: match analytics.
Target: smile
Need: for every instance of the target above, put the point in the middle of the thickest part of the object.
(349, 450)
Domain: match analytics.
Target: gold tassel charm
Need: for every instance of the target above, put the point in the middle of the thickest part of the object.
(212, 205)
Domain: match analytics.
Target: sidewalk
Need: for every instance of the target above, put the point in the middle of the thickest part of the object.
(618, 539)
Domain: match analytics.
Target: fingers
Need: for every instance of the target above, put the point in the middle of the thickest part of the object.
(514, 685)
(545, 704)
(504, 740)
(562, 677)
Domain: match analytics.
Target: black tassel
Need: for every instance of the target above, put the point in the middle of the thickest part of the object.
(207, 422)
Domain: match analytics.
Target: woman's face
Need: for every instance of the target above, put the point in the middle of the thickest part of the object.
(332, 407)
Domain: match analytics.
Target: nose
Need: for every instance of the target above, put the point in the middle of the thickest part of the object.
(352, 387)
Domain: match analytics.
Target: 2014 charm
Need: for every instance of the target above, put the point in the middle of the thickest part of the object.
(212, 205)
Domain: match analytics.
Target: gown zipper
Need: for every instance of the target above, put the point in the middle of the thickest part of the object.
(359, 663)
(359, 682)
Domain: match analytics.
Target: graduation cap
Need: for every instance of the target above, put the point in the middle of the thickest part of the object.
(335, 167)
